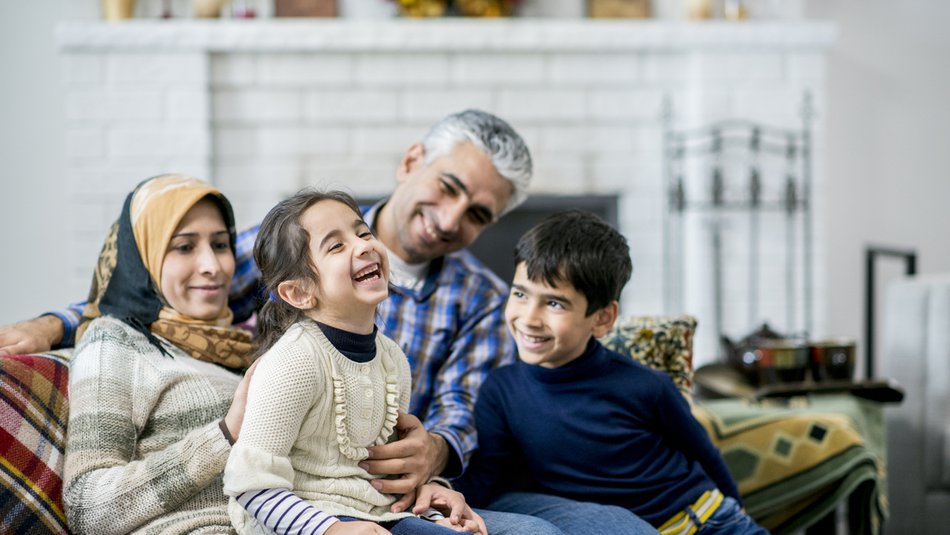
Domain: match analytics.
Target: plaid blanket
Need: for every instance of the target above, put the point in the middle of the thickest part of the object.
(33, 417)
(796, 463)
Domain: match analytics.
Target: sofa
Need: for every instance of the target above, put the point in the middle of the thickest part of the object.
(794, 462)
(916, 353)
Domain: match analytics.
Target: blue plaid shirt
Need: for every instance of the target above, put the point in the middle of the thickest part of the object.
(452, 331)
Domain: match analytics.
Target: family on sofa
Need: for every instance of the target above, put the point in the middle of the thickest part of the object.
(377, 332)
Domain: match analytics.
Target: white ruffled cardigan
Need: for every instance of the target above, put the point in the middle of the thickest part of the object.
(311, 413)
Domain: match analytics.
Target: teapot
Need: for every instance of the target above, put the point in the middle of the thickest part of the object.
(765, 356)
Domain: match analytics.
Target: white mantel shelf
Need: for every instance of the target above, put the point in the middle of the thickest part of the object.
(441, 35)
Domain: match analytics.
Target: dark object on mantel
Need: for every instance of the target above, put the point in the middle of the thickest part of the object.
(618, 9)
(305, 8)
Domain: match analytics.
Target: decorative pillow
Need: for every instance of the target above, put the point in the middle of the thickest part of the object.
(663, 343)
(33, 416)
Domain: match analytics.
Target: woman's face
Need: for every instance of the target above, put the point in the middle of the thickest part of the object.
(199, 263)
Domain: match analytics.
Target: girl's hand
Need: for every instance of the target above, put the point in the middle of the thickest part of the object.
(458, 515)
(360, 527)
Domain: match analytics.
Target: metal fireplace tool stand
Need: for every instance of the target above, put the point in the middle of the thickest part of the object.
(754, 195)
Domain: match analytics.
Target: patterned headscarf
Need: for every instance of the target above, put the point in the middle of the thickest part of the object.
(126, 283)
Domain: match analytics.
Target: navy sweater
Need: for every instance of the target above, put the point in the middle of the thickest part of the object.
(601, 428)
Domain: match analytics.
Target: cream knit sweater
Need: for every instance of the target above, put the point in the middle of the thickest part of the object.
(144, 453)
(311, 414)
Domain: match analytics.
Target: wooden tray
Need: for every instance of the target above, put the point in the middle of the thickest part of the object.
(881, 390)
(719, 380)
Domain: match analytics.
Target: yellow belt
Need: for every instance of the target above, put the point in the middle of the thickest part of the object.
(689, 521)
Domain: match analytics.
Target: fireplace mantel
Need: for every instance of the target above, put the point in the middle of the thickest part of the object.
(442, 35)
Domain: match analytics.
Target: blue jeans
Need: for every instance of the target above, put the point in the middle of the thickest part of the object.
(498, 523)
(573, 517)
(416, 526)
(729, 519)
(509, 523)
(409, 526)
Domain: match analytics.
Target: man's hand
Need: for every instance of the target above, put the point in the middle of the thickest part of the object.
(235, 417)
(458, 515)
(416, 456)
(31, 336)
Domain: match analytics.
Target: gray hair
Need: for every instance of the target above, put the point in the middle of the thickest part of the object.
(496, 138)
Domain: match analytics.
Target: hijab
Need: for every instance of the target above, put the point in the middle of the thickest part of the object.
(126, 283)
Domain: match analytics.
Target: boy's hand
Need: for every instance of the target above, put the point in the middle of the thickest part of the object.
(360, 527)
(458, 515)
(416, 456)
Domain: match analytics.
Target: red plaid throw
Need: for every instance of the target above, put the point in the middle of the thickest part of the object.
(33, 416)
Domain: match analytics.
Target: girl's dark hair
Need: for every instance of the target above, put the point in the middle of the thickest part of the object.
(282, 253)
(580, 249)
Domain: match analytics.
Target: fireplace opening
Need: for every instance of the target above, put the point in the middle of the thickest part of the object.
(496, 246)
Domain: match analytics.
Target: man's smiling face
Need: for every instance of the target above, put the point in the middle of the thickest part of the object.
(441, 207)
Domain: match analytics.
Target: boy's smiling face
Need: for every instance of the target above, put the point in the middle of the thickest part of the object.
(549, 323)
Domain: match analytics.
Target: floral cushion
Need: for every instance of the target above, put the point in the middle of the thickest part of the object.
(33, 415)
(663, 343)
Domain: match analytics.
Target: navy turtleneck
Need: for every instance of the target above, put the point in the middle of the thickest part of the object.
(600, 428)
(356, 347)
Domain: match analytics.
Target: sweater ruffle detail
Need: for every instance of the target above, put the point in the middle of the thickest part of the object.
(355, 453)
(358, 453)
(392, 409)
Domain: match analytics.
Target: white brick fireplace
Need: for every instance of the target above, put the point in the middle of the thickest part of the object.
(262, 108)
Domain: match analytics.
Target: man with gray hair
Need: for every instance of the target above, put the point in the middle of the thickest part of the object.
(445, 309)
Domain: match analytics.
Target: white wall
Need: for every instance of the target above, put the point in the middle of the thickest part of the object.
(888, 143)
(32, 156)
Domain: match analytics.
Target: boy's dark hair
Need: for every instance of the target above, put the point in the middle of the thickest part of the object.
(282, 253)
(579, 248)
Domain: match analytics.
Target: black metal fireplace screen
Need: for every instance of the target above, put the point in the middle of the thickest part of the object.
(739, 223)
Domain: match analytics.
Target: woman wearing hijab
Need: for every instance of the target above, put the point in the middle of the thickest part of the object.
(154, 374)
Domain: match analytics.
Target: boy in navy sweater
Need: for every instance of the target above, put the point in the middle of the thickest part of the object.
(573, 419)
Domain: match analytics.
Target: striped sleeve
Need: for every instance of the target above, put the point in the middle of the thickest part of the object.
(285, 513)
(70, 316)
